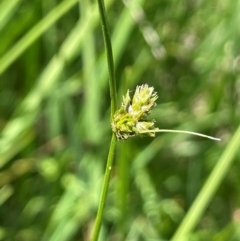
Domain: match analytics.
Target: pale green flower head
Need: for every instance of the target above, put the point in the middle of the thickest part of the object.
(131, 118)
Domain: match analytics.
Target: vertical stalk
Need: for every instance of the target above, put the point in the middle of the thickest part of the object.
(108, 47)
(113, 96)
(106, 180)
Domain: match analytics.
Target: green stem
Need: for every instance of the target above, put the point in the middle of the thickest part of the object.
(108, 46)
(105, 188)
(113, 96)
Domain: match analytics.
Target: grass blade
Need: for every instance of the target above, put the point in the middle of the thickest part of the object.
(34, 33)
(205, 195)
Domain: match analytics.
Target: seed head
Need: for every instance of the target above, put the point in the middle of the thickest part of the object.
(131, 118)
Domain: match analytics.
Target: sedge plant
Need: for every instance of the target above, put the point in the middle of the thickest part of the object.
(129, 120)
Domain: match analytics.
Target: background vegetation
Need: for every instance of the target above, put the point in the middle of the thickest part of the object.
(55, 108)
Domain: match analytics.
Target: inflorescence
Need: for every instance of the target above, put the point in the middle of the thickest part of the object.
(131, 118)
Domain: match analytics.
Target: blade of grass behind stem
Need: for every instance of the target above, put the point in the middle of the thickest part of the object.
(91, 111)
(34, 33)
(9, 7)
(205, 195)
(123, 165)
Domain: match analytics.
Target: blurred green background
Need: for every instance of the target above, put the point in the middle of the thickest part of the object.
(55, 127)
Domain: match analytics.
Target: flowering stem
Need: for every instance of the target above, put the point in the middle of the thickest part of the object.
(113, 96)
(105, 188)
(108, 47)
(181, 131)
